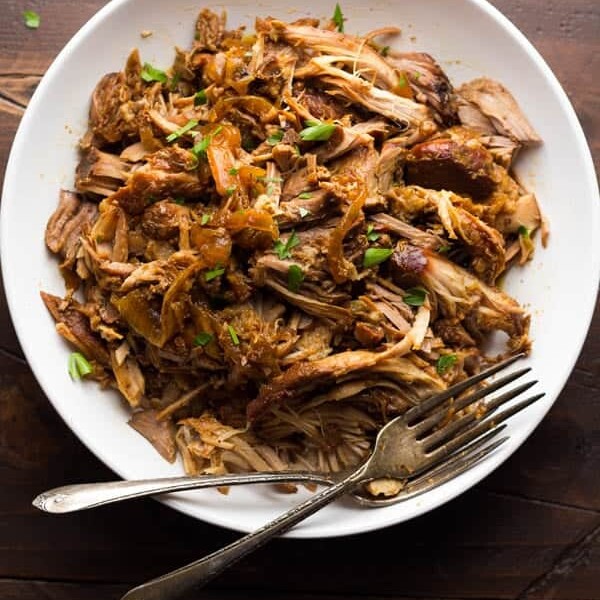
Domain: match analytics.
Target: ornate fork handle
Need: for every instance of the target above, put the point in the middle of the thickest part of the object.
(202, 571)
(70, 498)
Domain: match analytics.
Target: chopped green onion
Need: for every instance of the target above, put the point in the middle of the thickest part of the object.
(31, 19)
(233, 334)
(372, 236)
(213, 273)
(284, 249)
(179, 200)
(149, 73)
(417, 75)
(338, 18)
(402, 81)
(271, 179)
(524, 232)
(233, 171)
(201, 147)
(200, 98)
(295, 278)
(230, 190)
(375, 256)
(275, 138)
(79, 366)
(205, 219)
(319, 132)
(384, 51)
(443, 249)
(202, 339)
(182, 130)
(444, 362)
(305, 195)
(415, 296)
(303, 212)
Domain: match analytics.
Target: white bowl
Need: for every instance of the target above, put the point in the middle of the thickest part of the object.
(469, 38)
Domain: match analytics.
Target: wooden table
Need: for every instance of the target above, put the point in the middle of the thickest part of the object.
(529, 531)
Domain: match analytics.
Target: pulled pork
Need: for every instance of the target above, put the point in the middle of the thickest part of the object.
(274, 246)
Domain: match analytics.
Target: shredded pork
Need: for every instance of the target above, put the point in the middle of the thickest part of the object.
(288, 238)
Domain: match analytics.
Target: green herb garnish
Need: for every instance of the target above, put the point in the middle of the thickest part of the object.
(31, 19)
(524, 232)
(384, 51)
(202, 339)
(284, 249)
(338, 18)
(213, 273)
(233, 171)
(149, 73)
(415, 296)
(201, 147)
(275, 138)
(317, 131)
(372, 236)
(305, 195)
(179, 200)
(200, 98)
(295, 278)
(233, 335)
(230, 190)
(182, 130)
(375, 256)
(205, 219)
(444, 249)
(79, 366)
(444, 362)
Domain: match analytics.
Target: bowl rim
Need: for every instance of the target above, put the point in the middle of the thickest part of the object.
(585, 307)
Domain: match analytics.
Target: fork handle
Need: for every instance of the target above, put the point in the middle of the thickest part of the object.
(200, 572)
(71, 498)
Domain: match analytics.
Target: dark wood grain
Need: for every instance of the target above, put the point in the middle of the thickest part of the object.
(529, 531)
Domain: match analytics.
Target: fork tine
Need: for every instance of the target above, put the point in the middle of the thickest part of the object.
(458, 388)
(459, 463)
(455, 426)
(488, 423)
(461, 403)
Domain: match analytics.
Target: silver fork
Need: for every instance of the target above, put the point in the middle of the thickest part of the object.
(405, 448)
(71, 498)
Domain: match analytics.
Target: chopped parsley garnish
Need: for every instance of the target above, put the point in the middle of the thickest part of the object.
(174, 81)
(402, 81)
(31, 19)
(275, 138)
(230, 190)
(443, 249)
(149, 73)
(79, 366)
(182, 130)
(417, 75)
(444, 362)
(375, 256)
(384, 51)
(295, 278)
(524, 232)
(205, 219)
(213, 273)
(284, 249)
(200, 98)
(338, 18)
(202, 339)
(305, 195)
(303, 212)
(233, 335)
(317, 131)
(415, 296)
(233, 171)
(372, 236)
(271, 179)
